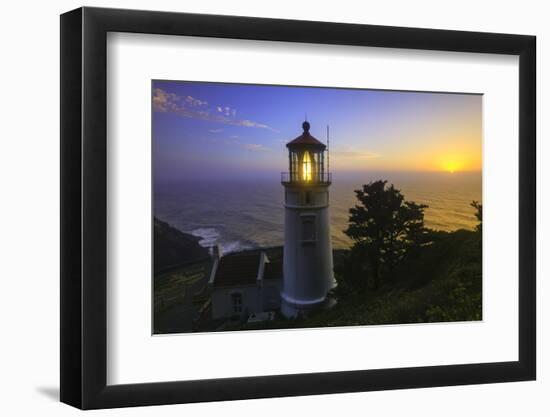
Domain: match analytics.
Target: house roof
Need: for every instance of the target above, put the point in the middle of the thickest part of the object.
(274, 269)
(238, 269)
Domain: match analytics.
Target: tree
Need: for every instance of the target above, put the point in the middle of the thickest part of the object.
(384, 227)
(478, 213)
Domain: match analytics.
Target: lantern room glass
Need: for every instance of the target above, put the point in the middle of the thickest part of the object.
(306, 165)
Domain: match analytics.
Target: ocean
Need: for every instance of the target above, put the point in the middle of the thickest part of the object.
(248, 213)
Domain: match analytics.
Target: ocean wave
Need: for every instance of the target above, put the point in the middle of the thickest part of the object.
(235, 246)
(210, 236)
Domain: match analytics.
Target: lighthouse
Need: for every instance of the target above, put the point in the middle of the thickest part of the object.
(307, 262)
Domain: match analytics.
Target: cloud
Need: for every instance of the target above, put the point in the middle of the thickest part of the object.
(164, 102)
(235, 142)
(195, 102)
(194, 108)
(255, 147)
(215, 130)
(250, 123)
(355, 155)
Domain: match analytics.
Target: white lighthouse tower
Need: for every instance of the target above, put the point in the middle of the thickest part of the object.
(307, 263)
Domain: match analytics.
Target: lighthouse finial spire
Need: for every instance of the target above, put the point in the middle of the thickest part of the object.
(328, 151)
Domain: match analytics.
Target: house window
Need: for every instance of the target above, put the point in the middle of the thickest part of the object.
(237, 300)
(308, 229)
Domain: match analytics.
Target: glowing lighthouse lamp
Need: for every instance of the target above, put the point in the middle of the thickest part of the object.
(307, 263)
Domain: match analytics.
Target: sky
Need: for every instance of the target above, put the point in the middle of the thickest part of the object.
(210, 130)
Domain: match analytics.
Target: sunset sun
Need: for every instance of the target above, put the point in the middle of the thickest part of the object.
(451, 165)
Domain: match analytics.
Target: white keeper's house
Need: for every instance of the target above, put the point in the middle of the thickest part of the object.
(245, 283)
(250, 283)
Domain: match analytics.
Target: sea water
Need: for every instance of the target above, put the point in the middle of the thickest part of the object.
(247, 213)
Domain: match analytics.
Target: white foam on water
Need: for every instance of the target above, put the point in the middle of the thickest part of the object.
(235, 246)
(210, 236)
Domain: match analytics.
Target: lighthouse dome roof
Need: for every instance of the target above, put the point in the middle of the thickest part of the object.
(306, 139)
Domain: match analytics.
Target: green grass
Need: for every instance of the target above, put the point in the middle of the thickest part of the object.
(170, 288)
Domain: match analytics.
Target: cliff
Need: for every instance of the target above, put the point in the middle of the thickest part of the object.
(173, 248)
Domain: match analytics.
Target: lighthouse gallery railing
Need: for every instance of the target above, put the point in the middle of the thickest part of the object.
(296, 178)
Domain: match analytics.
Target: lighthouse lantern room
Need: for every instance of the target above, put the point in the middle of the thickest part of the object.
(307, 262)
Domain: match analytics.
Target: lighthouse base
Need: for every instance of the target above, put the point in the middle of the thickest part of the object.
(291, 308)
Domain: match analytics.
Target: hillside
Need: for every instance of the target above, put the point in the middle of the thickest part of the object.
(442, 284)
(173, 248)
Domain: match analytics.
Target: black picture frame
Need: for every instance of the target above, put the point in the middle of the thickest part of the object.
(84, 207)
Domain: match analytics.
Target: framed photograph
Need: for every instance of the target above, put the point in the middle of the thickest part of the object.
(256, 208)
